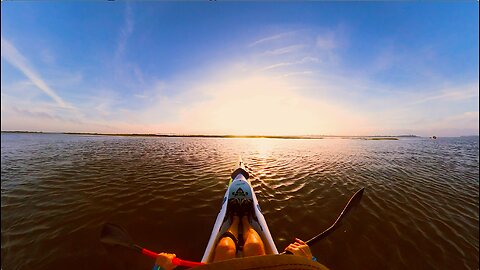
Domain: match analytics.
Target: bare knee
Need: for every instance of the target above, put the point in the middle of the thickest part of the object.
(225, 249)
(253, 247)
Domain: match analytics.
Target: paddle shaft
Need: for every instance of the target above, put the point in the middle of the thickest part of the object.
(176, 261)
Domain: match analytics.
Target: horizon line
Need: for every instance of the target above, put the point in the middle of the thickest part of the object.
(311, 136)
(177, 135)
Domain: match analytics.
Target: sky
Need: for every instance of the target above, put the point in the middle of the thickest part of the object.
(241, 68)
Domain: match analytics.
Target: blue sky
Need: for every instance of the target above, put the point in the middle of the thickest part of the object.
(241, 68)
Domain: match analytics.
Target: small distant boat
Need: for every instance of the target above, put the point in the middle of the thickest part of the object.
(434, 137)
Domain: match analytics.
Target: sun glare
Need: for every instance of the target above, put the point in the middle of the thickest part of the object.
(263, 105)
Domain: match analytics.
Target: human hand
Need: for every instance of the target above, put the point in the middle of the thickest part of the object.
(299, 248)
(164, 260)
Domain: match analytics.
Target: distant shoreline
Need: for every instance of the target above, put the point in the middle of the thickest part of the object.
(221, 136)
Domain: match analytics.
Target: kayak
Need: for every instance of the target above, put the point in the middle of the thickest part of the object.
(239, 188)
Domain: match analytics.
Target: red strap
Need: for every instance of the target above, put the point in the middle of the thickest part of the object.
(149, 253)
(175, 261)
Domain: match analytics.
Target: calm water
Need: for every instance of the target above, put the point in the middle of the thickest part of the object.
(419, 210)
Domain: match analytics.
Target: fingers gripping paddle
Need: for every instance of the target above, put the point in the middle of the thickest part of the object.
(117, 236)
(354, 200)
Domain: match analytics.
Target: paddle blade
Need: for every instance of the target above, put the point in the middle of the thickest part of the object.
(115, 235)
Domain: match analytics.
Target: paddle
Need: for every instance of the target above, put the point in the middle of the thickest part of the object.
(354, 200)
(115, 235)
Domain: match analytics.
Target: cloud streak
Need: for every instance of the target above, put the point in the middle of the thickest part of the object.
(326, 42)
(463, 93)
(125, 32)
(285, 50)
(271, 38)
(285, 64)
(16, 59)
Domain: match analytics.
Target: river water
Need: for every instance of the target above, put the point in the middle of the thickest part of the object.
(420, 209)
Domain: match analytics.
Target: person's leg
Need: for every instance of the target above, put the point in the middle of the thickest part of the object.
(253, 245)
(226, 248)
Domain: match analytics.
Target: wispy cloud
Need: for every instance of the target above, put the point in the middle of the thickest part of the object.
(326, 41)
(284, 64)
(125, 31)
(305, 72)
(34, 120)
(140, 96)
(271, 38)
(284, 50)
(126, 69)
(466, 123)
(459, 93)
(16, 59)
(469, 117)
(25, 112)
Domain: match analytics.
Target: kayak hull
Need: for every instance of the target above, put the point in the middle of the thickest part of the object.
(239, 187)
